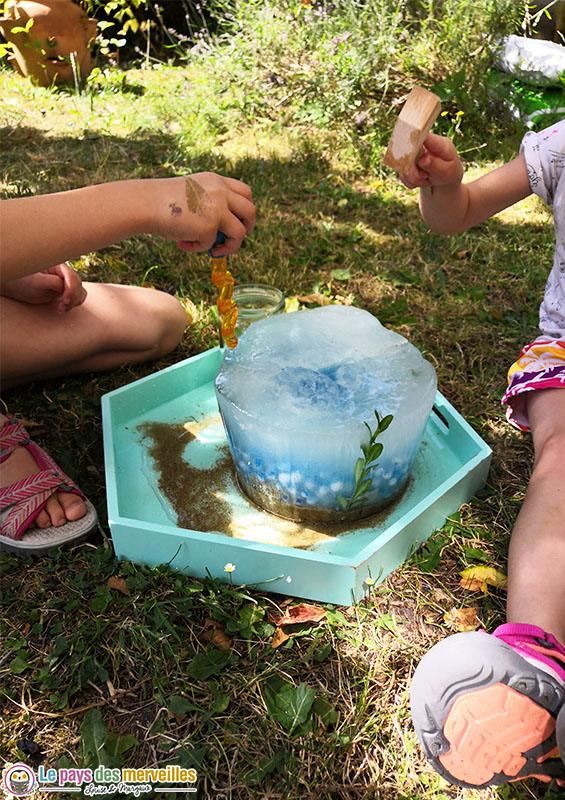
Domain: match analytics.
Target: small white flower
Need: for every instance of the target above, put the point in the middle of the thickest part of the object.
(369, 581)
(229, 568)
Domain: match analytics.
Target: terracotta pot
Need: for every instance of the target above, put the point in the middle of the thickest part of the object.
(61, 33)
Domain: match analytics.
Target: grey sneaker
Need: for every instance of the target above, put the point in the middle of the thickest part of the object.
(485, 707)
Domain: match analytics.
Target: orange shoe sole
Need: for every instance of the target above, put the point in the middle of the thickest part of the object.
(485, 715)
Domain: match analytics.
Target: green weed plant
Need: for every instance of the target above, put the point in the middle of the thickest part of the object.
(364, 466)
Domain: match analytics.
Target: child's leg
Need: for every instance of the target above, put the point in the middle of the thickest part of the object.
(115, 325)
(490, 708)
(536, 567)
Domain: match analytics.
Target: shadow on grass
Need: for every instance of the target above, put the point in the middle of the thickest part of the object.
(136, 654)
(469, 302)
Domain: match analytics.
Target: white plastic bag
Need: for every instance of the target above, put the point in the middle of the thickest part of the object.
(533, 61)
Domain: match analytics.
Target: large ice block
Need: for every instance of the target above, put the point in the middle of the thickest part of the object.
(298, 398)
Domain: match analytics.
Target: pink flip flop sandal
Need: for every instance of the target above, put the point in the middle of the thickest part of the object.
(22, 501)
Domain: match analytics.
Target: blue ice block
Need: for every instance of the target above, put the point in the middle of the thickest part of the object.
(298, 398)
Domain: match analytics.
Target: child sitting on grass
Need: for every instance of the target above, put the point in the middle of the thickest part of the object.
(490, 708)
(53, 324)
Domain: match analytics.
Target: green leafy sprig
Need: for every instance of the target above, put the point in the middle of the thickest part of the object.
(371, 454)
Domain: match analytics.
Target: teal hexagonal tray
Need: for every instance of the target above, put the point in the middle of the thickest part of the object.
(220, 526)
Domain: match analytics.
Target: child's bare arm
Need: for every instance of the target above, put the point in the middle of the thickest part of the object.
(450, 206)
(42, 231)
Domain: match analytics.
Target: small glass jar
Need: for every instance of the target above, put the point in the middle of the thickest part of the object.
(256, 301)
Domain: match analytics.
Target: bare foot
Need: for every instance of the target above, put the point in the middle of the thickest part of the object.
(60, 507)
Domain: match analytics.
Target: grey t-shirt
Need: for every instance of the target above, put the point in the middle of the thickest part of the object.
(545, 158)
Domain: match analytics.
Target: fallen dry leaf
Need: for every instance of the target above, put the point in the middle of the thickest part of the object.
(301, 613)
(214, 633)
(476, 579)
(439, 595)
(279, 637)
(115, 582)
(316, 297)
(462, 619)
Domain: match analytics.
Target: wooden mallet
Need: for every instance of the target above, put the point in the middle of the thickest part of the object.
(414, 122)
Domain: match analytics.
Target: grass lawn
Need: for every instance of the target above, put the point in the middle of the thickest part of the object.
(115, 663)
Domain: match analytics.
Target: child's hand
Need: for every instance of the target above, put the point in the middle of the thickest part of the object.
(73, 293)
(439, 164)
(193, 209)
(59, 284)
